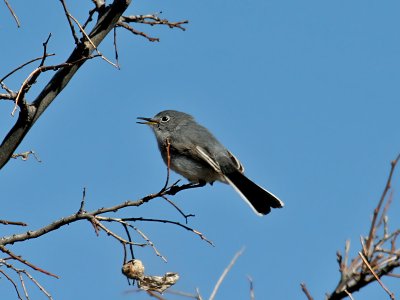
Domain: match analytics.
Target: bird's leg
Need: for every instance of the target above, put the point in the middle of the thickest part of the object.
(177, 188)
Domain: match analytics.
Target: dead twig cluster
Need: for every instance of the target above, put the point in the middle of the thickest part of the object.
(379, 255)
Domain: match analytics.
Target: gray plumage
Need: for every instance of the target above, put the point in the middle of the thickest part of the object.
(198, 156)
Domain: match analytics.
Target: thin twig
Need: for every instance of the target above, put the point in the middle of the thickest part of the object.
(153, 19)
(137, 32)
(91, 43)
(170, 222)
(110, 232)
(252, 296)
(305, 291)
(226, 271)
(45, 50)
(41, 288)
(6, 222)
(115, 46)
(13, 13)
(178, 209)
(150, 243)
(90, 17)
(372, 230)
(155, 295)
(35, 74)
(25, 64)
(25, 262)
(125, 225)
(68, 15)
(183, 294)
(13, 283)
(391, 295)
(131, 243)
(82, 206)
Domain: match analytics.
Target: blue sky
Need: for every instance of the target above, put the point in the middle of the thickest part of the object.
(305, 94)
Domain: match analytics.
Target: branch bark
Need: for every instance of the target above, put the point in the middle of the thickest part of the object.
(30, 113)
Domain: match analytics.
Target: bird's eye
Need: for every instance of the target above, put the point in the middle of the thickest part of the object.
(165, 119)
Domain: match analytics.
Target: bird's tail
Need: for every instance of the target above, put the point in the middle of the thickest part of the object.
(259, 199)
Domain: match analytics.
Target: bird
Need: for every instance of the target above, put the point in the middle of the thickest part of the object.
(192, 151)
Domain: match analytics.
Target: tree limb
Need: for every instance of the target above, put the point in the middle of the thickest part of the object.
(30, 113)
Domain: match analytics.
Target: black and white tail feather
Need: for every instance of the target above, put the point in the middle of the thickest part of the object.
(258, 198)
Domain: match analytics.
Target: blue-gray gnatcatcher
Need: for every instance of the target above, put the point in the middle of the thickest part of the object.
(198, 156)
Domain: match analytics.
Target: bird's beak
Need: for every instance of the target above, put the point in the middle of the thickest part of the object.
(148, 121)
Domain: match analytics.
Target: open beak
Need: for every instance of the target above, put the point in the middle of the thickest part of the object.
(148, 121)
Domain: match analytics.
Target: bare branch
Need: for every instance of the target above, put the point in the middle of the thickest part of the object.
(95, 214)
(6, 222)
(26, 85)
(198, 233)
(226, 271)
(391, 295)
(378, 256)
(252, 296)
(153, 19)
(82, 206)
(378, 208)
(8, 96)
(45, 50)
(178, 209)
(305, 291)
(115, 46)
(68, 15)
(31, 113)
(149, 242)
(20, 272)
(25, 64)
(137, 32)
(13, 13)
(13, 283)
(91, 42)
(25, 262)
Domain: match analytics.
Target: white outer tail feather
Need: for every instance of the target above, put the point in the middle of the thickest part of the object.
(217, 169)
